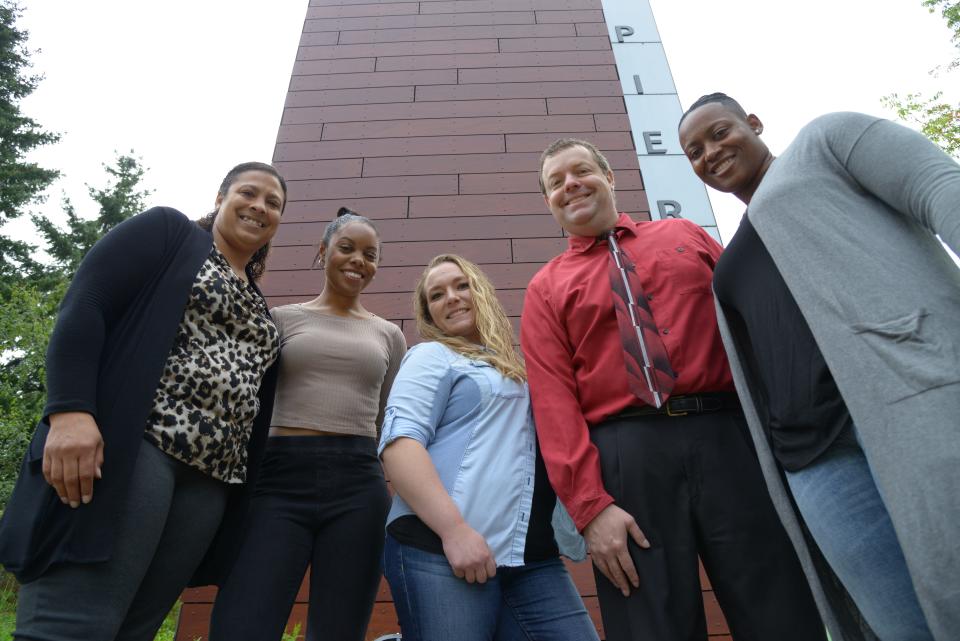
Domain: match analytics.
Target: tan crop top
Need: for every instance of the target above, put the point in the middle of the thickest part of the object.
(335, 373)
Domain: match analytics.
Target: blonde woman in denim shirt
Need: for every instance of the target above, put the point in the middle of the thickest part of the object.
(470, 550)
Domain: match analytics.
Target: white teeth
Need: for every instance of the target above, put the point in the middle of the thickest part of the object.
(353, 275)
(252, 221)
(726, 162)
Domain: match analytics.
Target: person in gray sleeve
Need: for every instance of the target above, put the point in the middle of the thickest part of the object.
(840, 311)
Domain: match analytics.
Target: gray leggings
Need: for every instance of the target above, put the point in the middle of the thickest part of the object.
(171, 514)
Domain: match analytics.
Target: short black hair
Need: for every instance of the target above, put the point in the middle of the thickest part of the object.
(719, 97)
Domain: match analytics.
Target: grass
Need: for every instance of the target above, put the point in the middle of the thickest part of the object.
(8, 606)
(168, 631)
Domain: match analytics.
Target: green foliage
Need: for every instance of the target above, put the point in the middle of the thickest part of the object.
(937, 119)
(292, 635)
(21, 183)
(951, 13)
(17, 264)
(120, 200)
(26, 320)
(8, 606)
(168, 630)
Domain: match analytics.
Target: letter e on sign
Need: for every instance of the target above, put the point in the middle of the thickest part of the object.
(650, 140)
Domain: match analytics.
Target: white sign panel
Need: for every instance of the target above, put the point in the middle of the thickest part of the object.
(654, 110)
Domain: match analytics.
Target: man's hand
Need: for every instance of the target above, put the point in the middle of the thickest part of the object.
(73, 456)
(468, 554)
(606, 537)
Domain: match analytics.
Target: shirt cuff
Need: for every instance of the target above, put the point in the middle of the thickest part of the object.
(395, 427)
(589, 509)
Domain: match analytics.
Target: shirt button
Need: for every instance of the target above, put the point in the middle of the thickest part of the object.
(681, 249)
(649, 296)
(666, 331)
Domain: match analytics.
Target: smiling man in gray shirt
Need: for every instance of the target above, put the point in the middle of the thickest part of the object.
(840, 312)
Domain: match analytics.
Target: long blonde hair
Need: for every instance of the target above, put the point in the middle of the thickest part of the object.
(496, 334)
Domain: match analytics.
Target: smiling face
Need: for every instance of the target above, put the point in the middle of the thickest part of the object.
(578, 192)
(450, 302)
(248, 214)
(351, 258)
(725, 149)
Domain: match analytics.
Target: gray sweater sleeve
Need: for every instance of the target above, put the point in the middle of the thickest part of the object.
(906, 171)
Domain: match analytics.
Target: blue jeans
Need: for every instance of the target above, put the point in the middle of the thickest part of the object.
(844, 512)
(533, 602)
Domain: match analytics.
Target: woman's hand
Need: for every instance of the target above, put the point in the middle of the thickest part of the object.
(468, 554)
(73, 456)
(411, 471)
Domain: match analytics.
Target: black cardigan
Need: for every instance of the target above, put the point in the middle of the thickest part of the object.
(116, 326)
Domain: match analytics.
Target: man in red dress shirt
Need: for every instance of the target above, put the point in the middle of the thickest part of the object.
(651, 489)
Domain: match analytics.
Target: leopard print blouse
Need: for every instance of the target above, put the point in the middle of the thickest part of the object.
(206, 401)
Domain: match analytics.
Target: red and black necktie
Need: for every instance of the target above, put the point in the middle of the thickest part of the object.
(648, 367)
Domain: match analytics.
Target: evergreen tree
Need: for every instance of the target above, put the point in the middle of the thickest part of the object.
(21, 183)
(120, 200)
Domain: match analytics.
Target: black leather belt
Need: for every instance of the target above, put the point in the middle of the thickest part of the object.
(682, 405)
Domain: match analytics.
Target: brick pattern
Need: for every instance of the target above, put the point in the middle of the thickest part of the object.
(429, 116)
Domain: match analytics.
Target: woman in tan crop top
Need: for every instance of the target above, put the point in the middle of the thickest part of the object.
(321, 499)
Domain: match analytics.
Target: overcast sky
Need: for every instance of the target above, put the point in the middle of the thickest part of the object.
(196, 87)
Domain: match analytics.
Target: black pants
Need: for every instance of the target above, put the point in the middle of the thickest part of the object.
(322, 501)
(694, 486)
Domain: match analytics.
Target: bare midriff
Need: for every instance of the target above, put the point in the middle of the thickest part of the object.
(302, 431)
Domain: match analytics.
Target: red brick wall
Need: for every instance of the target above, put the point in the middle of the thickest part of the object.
(430, 117)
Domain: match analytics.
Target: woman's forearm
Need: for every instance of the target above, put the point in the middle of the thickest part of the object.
(414, 477)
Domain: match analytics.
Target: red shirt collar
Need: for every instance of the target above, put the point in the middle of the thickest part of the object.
(580, 244)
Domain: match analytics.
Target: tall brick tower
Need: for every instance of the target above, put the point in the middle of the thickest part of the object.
(429, 116)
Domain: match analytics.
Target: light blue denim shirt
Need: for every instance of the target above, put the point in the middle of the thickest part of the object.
(477, 427)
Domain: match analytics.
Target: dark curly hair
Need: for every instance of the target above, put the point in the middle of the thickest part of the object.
(258, 262)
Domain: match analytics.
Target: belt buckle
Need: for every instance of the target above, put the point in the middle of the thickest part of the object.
(672, 413)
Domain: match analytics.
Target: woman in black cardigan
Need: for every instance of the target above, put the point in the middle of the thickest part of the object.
(160, 388)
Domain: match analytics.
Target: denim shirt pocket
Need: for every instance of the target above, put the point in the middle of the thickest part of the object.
(918, 350)
(496, 383)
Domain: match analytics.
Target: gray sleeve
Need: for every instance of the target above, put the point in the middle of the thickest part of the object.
(911, 175)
